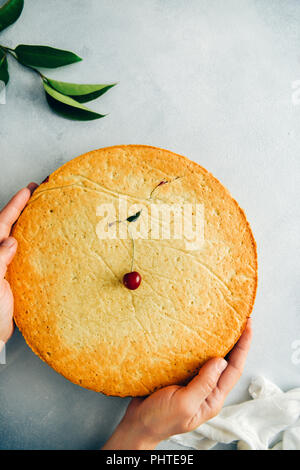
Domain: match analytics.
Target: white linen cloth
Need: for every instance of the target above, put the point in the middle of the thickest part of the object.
(271, 415)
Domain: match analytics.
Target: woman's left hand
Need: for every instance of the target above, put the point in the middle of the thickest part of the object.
(8, 248)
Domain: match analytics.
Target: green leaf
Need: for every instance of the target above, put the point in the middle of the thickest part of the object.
(82, 93)
(134, 217)
(44, 56)
(4, 76)
(94, 95)
(10, 12)
(69, 112)
(68, 107)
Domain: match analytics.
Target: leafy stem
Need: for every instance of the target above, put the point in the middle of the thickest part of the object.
(14, 55)
(66, 99)
(133, 248)
(8, 49)
(130, 219)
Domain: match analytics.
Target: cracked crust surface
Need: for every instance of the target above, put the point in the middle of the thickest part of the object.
(71, 305)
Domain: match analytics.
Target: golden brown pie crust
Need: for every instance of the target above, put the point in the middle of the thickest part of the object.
(71, 305)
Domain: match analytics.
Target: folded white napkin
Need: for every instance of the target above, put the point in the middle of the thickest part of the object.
(271, 415)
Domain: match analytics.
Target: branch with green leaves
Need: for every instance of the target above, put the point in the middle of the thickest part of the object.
(66, 99)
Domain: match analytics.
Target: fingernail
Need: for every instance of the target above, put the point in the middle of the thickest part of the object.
(221, 365)
(9, 242)
(32, 186)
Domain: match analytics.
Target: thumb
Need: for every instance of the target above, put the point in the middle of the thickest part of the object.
(8, 249)
(206, 380)
(135, 403)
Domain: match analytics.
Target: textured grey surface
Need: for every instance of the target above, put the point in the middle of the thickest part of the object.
(206, 78)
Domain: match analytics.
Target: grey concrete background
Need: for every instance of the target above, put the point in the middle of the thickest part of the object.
(210, 79)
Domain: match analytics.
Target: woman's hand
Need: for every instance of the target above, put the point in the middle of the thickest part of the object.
(8, 248)
(174, 409)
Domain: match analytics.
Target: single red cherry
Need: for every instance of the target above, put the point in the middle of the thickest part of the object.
(132, 280)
